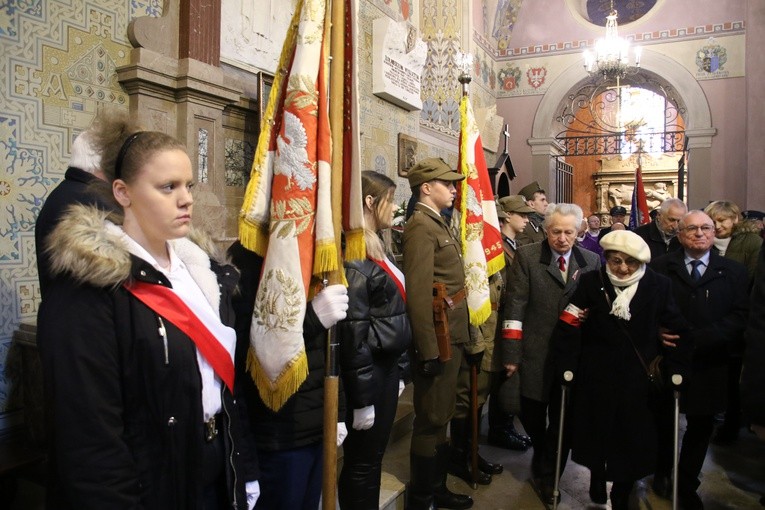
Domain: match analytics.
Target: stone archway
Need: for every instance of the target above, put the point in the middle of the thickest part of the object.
(698, 122)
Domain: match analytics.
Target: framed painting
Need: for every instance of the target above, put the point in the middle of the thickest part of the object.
(407, 154)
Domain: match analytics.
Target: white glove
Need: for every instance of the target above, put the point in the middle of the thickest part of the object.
(364, 418)
(401, 386)
(331, 305)
(253, 493)
(342, 431)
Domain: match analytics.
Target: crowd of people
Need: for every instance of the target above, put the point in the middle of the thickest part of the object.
(144, 330)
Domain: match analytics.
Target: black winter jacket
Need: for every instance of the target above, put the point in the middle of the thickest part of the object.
(376, 329)
(299, 422)
(124, 417)
(716, 307)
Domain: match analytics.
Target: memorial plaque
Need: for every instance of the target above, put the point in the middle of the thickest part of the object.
(398, 59)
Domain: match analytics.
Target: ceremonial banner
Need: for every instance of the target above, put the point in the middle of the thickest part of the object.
(639, 209)
(479, 224)
(286, 216)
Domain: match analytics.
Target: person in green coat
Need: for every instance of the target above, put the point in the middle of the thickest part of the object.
(733, 241)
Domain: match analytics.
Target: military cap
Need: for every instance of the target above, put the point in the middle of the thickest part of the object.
(753, 215)
(430, 169)
(618, 210)
(500, 212)
(515, 203)
(529, 190)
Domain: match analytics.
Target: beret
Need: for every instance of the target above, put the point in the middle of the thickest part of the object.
(626, 241)
(615, 211)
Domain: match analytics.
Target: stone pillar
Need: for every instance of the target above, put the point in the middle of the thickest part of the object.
(175, 86)
(755, 97)
(543, 153)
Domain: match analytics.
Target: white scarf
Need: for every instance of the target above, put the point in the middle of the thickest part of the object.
(625, 291)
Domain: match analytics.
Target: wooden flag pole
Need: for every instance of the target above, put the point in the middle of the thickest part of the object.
(331, 377)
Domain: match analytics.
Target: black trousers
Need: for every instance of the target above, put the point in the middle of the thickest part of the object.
(693, 450)
(359, 483)
(544, 434)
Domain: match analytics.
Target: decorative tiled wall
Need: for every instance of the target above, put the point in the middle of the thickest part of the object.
(57, 63)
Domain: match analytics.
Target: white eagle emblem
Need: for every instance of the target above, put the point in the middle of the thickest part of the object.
(293, 159)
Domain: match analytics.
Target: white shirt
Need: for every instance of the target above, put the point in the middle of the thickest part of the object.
(702, 267)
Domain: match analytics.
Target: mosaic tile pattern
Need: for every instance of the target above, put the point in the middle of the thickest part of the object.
(57, 66)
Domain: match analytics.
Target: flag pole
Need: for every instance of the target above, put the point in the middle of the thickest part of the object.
(331, 373)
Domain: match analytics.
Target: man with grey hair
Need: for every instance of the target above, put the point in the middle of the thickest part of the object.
(76, 188)
(661, 233)
(541, 281)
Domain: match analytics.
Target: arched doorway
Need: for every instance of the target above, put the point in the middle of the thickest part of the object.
(697, 120)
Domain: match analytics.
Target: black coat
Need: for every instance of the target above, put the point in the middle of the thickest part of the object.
(653, 238)
(74, 189)
(716, 307)
(124, 417)
(299, 422)
(375, 331)
(612, 411)
(753, 375)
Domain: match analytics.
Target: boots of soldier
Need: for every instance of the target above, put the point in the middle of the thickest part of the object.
(459, 458)
(424, 472)
(483, 464)
(443, 497)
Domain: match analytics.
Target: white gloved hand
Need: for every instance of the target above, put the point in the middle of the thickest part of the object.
(331, 305)
(253, 493)
(401, 386)
(364, 418)
(342, 431)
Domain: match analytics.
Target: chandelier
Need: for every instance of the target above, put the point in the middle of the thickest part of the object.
(611, 58)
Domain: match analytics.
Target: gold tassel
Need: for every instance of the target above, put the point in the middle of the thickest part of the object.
(355, 245)
(275, 394)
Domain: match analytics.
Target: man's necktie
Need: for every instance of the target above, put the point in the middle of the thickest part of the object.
(562, 264)
(695, 273)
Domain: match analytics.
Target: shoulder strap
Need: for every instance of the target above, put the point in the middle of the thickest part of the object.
(622, 326)
(166, 303)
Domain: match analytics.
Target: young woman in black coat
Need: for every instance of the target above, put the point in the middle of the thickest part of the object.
(137, 347)
(372, 338)
(614, 313)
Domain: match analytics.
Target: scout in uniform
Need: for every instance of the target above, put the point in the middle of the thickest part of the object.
(536, 199)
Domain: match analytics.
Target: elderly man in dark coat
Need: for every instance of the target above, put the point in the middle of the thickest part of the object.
(711, 292)
(540, 284)
(661, 233)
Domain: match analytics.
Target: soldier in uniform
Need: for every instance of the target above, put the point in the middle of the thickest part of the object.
(536, 199)
(513, 216)
(433, 261)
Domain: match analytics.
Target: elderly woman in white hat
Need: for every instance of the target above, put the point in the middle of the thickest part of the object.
(611, 423)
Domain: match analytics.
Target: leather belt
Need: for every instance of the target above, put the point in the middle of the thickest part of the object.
(455, 298)
(494, 307)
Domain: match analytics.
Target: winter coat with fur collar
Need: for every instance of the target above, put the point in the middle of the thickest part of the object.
(124, 412)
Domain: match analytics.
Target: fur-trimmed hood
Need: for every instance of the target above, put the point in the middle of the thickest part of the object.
(88, 247)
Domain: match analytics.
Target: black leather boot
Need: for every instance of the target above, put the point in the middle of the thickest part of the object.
(423, 474)
(483, 464)
(443, 497)
(459, 458)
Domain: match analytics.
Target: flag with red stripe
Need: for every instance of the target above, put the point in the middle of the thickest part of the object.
(477, 213)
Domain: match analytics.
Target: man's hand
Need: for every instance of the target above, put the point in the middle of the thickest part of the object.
(668, 339)
(511, 368)
(474, 359)
(431, 367)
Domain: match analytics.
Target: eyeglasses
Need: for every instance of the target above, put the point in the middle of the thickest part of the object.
(691, 229)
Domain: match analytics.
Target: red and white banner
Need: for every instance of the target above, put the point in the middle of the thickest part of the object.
(477, 213)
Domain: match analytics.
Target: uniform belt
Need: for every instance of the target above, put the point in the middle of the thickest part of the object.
(455, 298)
(211, 427)
(494, 307)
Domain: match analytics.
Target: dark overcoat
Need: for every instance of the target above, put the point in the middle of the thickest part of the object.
(536, 295)
(124, 409)
(716, 307)
(612, 408)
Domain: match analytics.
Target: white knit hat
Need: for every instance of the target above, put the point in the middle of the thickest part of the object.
(627, 242)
